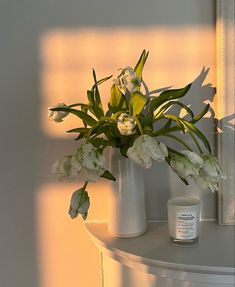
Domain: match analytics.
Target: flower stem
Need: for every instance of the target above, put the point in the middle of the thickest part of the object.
(139, 125)
(177, 139)
(85, 185)
(146, 88)
(196, 142)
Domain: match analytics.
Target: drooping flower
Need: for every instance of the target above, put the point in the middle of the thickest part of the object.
(87, 163)
(194, 158)
(186, 165)
(57, 116)
(210, 173)
(92, 162)
(126, 124)
(128, 80)
(145, 149)
(66, 168)
(79, 203)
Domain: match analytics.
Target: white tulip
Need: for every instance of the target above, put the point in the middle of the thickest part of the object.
(57, 116)
(86, 162)
(146, 148)
(66, 169)
(194, 158)
(210, 173)
(128, 80)
(126, 124)
(185, 165)
(92, 162)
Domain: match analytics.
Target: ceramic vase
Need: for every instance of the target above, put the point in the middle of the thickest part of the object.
(127, 214)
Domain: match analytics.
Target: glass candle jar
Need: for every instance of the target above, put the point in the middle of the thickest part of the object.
(183, 219)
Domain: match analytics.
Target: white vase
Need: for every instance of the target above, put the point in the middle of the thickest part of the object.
(127, 216)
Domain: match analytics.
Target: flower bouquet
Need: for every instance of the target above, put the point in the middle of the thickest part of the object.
(133, 121)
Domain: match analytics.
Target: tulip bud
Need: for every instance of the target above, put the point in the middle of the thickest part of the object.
(79, 203)
(57, 116)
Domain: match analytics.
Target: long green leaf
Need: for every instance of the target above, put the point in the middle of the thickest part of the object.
(117, 99)
(172, 118)
(201, 114)
(167, 96)
(108, 175)
(140, 64)
(172, 103)
(83, 116)
(179, 140)
(97, 93)
(101, 81)
(91, 97)
(95, 108)
(137, 103)
(192, 128)
(79, 130)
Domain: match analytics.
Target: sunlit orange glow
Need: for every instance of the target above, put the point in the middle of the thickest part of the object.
(66, 256)
(176, 58)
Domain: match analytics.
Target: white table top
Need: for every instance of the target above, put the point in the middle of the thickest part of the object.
(212, 253)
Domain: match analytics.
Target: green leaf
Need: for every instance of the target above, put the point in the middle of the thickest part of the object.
(94, 107)
(91, 97)
(146, 123)
(164, 129)
(85, 109)
(199, 116)
(101, 143)
(167, 96)
(96, 90)
(140, 64)
(178, 139)
(83, 116)
(192, 128)
(79, 130)
(108, 175)
(170, 150)
(77, 105)
(101, 81)
(173, 118)
(117, 99)
(172, 103)
(137, 103)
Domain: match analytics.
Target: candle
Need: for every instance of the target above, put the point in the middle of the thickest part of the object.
(183, 219)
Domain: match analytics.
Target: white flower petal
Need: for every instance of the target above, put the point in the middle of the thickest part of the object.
(57, 116)
(194, 158)
(126, 124)
(183, 166)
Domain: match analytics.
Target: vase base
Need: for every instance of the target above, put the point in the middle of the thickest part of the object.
(124, 235)
(184, 241)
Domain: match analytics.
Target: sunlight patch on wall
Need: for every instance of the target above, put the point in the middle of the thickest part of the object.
(66, 256)
(67, 57)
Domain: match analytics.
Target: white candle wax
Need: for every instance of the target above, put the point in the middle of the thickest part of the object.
(183, 218)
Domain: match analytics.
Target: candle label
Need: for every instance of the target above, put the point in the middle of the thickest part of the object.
(186, 225)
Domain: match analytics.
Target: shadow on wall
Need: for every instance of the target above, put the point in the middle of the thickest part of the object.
(30, 144)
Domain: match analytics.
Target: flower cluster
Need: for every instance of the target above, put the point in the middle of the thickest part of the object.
(128, 124)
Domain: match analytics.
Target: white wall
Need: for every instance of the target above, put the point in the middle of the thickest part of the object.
(39, 245)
